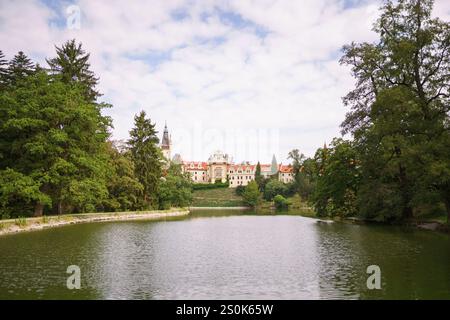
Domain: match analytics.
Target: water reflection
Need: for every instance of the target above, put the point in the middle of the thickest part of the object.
(225, 255)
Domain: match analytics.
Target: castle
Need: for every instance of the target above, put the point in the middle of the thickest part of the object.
(221, 168)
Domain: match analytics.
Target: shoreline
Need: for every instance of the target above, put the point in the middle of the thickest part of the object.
(433, 226)
(220, 208)
(19, 225)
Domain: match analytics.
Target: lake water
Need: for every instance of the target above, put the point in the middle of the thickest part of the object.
(225, 255)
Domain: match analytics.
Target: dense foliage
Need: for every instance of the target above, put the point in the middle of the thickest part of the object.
(206, 186)
(397, 165)
(281, 202)
(175, 188)
(55, 150)
(251, 194)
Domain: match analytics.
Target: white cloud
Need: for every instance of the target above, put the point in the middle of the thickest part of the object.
(211, 71)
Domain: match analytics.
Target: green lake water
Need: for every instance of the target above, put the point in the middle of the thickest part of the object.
(225, 255)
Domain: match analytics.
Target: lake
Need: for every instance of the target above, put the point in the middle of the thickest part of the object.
(225, 255)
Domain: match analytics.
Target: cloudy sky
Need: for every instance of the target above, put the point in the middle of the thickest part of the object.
(251, 78)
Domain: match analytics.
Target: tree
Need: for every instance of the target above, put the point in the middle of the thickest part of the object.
(19, 68)
(147, 157)
(72, 64)
(124, 189)
(281, 202)
(273, 188)
(50, 133)
(399, 109)
(297, 161)
(251, 194)
(19, 193)
(307, 179)
(258, 176)
(3, 71)
(337, 181)
(302, 178)
(175, 189)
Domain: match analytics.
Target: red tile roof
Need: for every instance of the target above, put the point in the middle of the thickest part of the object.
(195, 165)
(243, 167)
(285, 169)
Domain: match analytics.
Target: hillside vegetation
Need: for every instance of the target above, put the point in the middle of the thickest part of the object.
(220, 197)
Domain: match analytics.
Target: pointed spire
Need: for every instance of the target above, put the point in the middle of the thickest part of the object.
(274, 166)
(165, 142)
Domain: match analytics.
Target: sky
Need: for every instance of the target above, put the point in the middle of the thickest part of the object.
(250, 78)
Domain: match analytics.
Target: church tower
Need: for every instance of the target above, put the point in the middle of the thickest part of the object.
(166, 144)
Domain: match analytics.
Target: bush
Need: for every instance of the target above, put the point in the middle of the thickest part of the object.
(251, 194)
(281, 202)
(240, 190)
(207, 186)
(273, 188)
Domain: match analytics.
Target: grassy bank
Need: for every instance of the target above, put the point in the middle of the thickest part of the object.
(227, 197)
(39, 223)
(220, 197)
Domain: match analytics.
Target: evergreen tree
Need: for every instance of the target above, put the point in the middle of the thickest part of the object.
(53, 136)
(258, 176)
(3, 71)
(147, 157)
(19, 68)
(72, 63)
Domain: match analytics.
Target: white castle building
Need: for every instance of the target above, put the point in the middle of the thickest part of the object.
(221, 168)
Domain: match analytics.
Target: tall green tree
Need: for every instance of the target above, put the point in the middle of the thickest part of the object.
(147, 157)
(399, 108)
(124, 189)
(72, 64)
(3, 71)
(20, 67)
(297, 161)
(51, 134)
(258, 176)
(337, 181)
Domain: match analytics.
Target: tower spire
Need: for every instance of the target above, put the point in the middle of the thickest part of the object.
(274, 166)
(166, 143)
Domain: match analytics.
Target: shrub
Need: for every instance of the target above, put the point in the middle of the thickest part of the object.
(239, 190)
(281, 202)
(207, 186)
(273, 188)
(251, 195)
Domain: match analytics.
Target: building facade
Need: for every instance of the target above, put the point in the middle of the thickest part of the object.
(221, 168)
